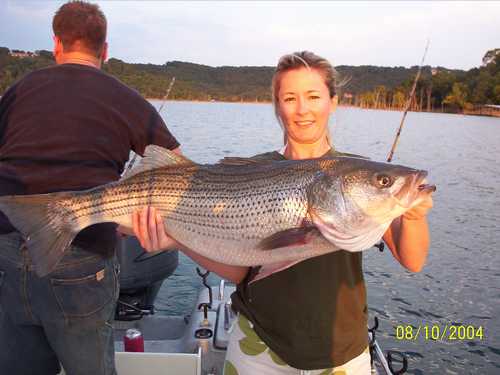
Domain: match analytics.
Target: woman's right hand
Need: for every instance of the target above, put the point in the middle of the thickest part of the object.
(150, 231)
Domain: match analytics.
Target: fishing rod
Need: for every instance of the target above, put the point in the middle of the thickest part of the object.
(408, 104)
(387, 364)
(164, 100)
(381, 245)
(166, 95)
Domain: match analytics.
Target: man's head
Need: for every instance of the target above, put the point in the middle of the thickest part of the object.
(80, 27)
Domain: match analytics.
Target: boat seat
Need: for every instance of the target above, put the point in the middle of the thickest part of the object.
(128, 363)
(158, 363)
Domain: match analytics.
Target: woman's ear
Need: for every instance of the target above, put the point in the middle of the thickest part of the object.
(335, 102)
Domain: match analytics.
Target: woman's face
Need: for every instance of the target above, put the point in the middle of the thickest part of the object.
(304, 105)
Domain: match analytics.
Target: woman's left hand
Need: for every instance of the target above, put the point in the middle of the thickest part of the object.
(419, 211)
(408, 236)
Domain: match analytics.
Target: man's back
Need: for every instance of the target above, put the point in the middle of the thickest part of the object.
(67, 127)
(71, 127)
(71, 118)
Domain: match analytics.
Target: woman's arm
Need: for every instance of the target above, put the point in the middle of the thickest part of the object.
(150, 231)
(408, 236)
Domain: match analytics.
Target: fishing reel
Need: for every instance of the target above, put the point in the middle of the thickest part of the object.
(393, 356)
(204, 332)
(205, 284)
(132, 310)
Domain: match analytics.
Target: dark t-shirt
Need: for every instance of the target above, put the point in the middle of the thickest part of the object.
(71, 127)
(313, 315)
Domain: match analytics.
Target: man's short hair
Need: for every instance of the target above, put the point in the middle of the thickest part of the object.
(80, 26)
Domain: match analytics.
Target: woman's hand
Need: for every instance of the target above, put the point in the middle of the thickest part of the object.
(150, 231)
(408, 236)
(419, 211)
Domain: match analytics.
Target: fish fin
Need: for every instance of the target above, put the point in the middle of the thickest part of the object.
(46, 233)
(161, 157)
(269, 269)
(290, 255)
(156, 157)
(234, 160)
(313, 240)
(289, 237)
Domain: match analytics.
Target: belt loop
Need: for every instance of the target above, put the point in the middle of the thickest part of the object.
(26, 260)
(23, 247)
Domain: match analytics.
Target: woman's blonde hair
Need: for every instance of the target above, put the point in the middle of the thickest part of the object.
(299, 60)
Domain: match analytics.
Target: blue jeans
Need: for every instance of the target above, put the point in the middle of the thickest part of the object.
(63, 317)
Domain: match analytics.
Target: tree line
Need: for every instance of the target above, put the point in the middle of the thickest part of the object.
(438, 89)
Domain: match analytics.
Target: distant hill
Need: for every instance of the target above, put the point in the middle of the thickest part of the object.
(367, 77)
(366, 86)
(195, 81)
(201, 82)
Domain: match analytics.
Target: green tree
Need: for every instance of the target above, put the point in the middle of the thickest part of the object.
(398, 99)
(380, 94)
(482, 88)
(442, 84)
(458, 96)
(496, 95)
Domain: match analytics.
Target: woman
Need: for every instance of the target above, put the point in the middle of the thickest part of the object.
(313, 315)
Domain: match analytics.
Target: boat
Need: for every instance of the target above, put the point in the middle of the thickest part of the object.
(186, 345)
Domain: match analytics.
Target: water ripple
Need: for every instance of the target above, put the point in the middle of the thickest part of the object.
(494, 350)
(411, 312)
(402, 301)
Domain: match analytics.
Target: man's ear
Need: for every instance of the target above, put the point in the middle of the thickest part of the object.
(58, 47)
(104, 53)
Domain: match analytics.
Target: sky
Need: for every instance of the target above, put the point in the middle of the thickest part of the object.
(254, 33)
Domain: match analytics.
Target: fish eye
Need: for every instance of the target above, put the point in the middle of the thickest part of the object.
(384, 180)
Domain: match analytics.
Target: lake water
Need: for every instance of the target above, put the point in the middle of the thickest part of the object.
(460, 284)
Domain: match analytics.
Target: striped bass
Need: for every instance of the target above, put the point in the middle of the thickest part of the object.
(239, 211)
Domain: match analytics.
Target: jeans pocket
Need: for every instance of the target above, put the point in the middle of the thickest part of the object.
(84, 296)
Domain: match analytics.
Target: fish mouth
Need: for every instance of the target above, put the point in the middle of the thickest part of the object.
(421, 183)
(416, 187)
(426, 188)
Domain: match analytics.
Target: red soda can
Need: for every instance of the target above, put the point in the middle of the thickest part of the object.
(133, 340)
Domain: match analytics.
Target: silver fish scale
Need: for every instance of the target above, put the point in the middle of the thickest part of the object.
(214, 208)
(232, 212)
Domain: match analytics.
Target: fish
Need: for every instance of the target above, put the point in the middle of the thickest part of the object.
(239, 211)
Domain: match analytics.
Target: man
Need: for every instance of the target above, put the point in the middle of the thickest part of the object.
(67, 127)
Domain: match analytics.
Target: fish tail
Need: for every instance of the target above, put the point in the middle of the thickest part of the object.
(45, 225)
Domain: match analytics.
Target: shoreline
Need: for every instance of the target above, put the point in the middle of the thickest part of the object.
(464, 113)
(211, 101)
